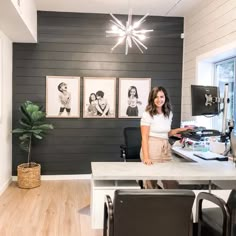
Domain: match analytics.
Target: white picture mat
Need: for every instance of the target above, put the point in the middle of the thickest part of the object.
(143, 86)
(52, 96)
(94, 84)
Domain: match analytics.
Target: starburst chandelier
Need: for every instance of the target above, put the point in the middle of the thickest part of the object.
(128, 33)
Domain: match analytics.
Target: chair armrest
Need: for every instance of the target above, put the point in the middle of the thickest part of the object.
(217, 201)
(108, 217)
(123, 151)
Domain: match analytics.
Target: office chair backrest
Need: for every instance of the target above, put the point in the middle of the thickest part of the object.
(132, 137)
(233, 143)
(232, 200)
(231, 203)
(152, 212)
(219, 220)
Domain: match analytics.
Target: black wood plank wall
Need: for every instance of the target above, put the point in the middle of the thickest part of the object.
(74, 44)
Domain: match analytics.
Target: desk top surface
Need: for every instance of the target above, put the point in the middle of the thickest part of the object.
(177, 169)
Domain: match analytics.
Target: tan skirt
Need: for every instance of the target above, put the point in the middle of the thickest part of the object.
(159, 150)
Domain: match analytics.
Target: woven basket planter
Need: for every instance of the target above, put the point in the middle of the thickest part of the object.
(29, 177)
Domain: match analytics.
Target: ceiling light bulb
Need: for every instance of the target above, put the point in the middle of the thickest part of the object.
(136, 25)
(142, 37)
(114, 28)
(128, 32)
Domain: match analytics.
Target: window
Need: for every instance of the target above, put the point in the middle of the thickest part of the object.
(225, 72)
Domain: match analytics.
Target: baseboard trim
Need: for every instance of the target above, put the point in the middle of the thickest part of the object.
(5, 185)
(61, 177)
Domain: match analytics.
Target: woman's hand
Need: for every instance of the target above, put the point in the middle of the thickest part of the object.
(147, 161)
(177, 131)
(187, 128)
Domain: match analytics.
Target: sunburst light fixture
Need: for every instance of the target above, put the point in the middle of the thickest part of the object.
(130, 33)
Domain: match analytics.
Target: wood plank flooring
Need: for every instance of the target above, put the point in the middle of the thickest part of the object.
(56, 208)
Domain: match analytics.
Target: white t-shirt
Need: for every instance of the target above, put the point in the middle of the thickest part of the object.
(159, 124)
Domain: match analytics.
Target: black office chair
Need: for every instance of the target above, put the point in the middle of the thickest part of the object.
(130, 150)
(217, 221)
(149, 213)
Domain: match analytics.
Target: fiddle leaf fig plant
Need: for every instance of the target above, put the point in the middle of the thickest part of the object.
(33, 126)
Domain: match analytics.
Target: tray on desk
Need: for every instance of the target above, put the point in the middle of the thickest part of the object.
(210, 156)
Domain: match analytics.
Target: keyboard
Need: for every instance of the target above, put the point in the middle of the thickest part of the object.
(210, 156)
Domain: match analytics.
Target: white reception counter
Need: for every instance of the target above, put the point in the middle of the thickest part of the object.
(109, 176)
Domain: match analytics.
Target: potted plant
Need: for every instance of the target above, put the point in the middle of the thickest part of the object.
(33, 127)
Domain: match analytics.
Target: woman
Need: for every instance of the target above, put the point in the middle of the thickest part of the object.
(155, 130)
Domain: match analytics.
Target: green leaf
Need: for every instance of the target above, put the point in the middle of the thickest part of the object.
(31, 108)
(41, 107)
(18, 131)
(39, 122)
(25, 137)
(24, 146)
(25, 113)
(26, 121)
(43, 127)
(24, 124)
(37, 115)
(35, 131)
(37, 136)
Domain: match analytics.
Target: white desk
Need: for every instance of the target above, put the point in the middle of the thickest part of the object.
(209, 170)
(109, 176)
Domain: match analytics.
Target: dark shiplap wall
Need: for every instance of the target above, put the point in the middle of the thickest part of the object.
(73, 44)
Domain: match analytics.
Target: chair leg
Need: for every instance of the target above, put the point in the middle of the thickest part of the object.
(140, 183)
(105, 220)
(108, 223)
(199, 229)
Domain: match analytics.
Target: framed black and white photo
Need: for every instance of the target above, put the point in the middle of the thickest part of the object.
(62, 96)
(133, 96)
(99, 97)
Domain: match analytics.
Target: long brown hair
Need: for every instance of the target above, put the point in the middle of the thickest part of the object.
(151, 107)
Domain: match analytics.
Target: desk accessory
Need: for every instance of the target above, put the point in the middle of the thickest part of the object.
(210, 156)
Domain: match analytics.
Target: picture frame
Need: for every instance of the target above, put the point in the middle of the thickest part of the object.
(133, 105)
(62, 96)
(99, 100)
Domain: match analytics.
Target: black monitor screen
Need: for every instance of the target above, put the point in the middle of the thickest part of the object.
(205, 100)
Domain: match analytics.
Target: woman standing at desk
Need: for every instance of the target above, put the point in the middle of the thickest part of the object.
(155, 130)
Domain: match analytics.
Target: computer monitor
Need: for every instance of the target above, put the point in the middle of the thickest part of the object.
(205, 100)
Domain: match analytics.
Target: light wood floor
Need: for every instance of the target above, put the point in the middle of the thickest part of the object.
(56, 208)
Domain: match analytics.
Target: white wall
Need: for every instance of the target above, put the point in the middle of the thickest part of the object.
(208, 29)
(19, 22)
(6, 111)
(28, 12)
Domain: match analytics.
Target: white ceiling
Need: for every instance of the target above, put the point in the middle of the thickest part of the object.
(139, 7)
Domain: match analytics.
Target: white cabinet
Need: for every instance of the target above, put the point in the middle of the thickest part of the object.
(100, 188)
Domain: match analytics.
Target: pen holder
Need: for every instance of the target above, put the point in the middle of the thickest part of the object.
(218, 147)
